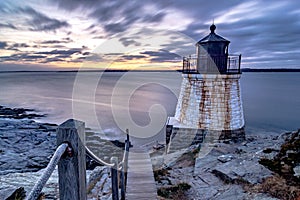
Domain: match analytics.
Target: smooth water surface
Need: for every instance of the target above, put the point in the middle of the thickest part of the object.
(271, 100)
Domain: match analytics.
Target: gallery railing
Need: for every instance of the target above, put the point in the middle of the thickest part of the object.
(230, 64)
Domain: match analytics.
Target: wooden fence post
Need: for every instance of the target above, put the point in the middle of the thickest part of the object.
(126, 158)
(114, 178)
(122, 183)
(72, 168)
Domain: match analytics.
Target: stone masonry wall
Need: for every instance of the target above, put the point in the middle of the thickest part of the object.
(211, 102)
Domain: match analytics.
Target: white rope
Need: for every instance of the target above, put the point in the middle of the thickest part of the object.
(95, 158)
(36, 190)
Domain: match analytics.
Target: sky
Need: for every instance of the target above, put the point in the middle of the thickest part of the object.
(118, 34)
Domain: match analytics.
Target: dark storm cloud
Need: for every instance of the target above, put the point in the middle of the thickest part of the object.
(162, 56)
(3, 45)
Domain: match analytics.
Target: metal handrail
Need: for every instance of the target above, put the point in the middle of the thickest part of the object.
(36, 190)
(231, 63)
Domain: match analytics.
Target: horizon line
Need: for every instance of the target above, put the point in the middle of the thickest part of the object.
(126, 70)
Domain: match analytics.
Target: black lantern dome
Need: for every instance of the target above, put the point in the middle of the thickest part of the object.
(212, 56)
(215, 47)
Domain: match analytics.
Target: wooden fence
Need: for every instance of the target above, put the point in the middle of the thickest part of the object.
(72, 165)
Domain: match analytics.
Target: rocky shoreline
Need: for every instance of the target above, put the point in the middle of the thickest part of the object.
(26, 147)
(264, 166)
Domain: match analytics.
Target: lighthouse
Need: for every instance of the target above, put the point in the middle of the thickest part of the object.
(209, 103)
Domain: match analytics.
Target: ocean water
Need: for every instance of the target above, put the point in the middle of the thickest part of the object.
(108, 102)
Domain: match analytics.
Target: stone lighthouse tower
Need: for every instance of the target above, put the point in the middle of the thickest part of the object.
(210, 97)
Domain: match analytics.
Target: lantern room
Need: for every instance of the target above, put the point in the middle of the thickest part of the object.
(212, 56)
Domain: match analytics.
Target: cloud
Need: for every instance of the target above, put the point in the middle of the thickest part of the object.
(162, 56)
(154, 18)
(25, 17)
(125, 58)
(79, 59)
(43, 56)
(49, 60)
(7, 25)
(127, 41)
(61, 52)
(21, 57)
(262, 31)
(92, 57)
(117, 16)
(64, 40)
(76, 4)
(16, 46)
(3, 45)
(256, 29)
(40, 22)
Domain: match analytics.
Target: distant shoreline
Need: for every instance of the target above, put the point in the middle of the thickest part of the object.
(271, 70)
(243, 70)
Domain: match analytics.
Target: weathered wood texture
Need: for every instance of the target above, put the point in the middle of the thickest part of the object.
(123, 172)
(122, 185)
(114, 178)
(140, 178)
(72, 170)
